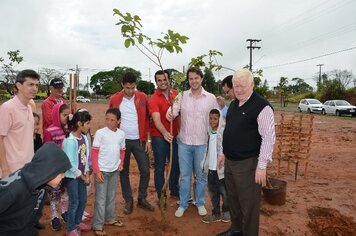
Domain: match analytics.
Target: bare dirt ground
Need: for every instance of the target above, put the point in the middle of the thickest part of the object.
(322, 204)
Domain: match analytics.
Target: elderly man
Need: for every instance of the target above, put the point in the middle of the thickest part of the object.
(248, 142)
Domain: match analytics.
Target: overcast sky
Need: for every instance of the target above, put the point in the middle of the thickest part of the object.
(59, 34)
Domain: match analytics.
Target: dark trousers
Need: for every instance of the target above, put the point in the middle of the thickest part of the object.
(243, 195)
(216, 188)
(161, 150)
(137, 148)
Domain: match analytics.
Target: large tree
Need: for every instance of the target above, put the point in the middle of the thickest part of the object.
(113, 77)
(8, 70)
(146, 87)
(299, 86)
(343, 76)
(209, 81)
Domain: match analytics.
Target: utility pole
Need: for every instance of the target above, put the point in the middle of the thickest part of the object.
(319, 82)
(251, 47)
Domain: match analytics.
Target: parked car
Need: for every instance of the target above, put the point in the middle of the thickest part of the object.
(82, 99)
(310, 105)
(338, 107)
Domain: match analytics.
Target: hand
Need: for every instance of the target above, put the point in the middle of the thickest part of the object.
(221, 161)
(148, 147)
(221, 101)
(99, 177)
(121, 167)
(260, 176)
(77, 173)
(87, 179)
(168, 137)
(169, 115)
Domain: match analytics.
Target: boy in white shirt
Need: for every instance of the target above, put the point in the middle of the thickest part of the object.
(213, 167)
(108, 154)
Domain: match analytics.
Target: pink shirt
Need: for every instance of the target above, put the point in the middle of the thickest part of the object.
(17, 127)
(265, 122)
(194, 111)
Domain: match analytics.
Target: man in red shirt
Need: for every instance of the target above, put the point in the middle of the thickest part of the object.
(161, 137)
(56, 89)
(133, 105)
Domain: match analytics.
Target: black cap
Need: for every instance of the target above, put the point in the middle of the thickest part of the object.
(56, 83)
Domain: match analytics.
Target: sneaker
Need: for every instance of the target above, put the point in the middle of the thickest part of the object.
(210, 218)
(83, 227)
(128, 208)
(226, 217)
(64, 217)
(144, 204)
(72, 233)
(202, 211)
(56, 224)
(179, 212)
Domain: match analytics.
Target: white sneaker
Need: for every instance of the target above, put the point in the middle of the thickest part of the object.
(202, 211)
(179, 212)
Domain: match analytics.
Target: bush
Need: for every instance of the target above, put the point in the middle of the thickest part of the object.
(333, 89)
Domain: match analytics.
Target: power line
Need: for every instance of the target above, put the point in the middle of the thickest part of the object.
(308, 59)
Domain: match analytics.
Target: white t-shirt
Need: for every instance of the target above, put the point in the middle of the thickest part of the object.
(129, 120)
(110, 143)
(212, 152)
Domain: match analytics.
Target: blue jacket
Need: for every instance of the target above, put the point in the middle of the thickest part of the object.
(70, 147)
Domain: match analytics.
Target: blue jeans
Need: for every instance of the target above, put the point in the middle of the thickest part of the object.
(105, 196)
(190, 158)
(161, 150)
(77, 194)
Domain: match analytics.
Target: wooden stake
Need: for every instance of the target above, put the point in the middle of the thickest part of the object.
(70, 92)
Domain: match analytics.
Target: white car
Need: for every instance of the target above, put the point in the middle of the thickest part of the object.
(310, 105)
(338, 107)
(82, 99)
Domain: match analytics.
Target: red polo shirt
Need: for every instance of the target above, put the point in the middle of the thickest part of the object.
(159, 103)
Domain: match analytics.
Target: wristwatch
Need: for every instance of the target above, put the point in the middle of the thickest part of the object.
(149, 141)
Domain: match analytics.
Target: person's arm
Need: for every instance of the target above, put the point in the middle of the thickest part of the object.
(171, 115)
(157, 121)
(3, 162)
(46, 113)
(6, 199)
(265, 121)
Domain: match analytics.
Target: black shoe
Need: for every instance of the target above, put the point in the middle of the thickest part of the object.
(128, 208)
(230, 232)
(39, 225)
(143, 203)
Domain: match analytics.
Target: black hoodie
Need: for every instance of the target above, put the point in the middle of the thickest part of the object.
(22, 191)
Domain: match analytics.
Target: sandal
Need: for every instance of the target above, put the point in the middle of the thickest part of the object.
(116, 223)
(99, 232)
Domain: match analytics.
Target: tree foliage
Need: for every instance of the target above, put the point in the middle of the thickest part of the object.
(209, 81)
(299, 86)
(109, 82)
(343, 76)
(131, 30)
(146, 87)
(8, 70)
(332, 89)
(47, 75)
